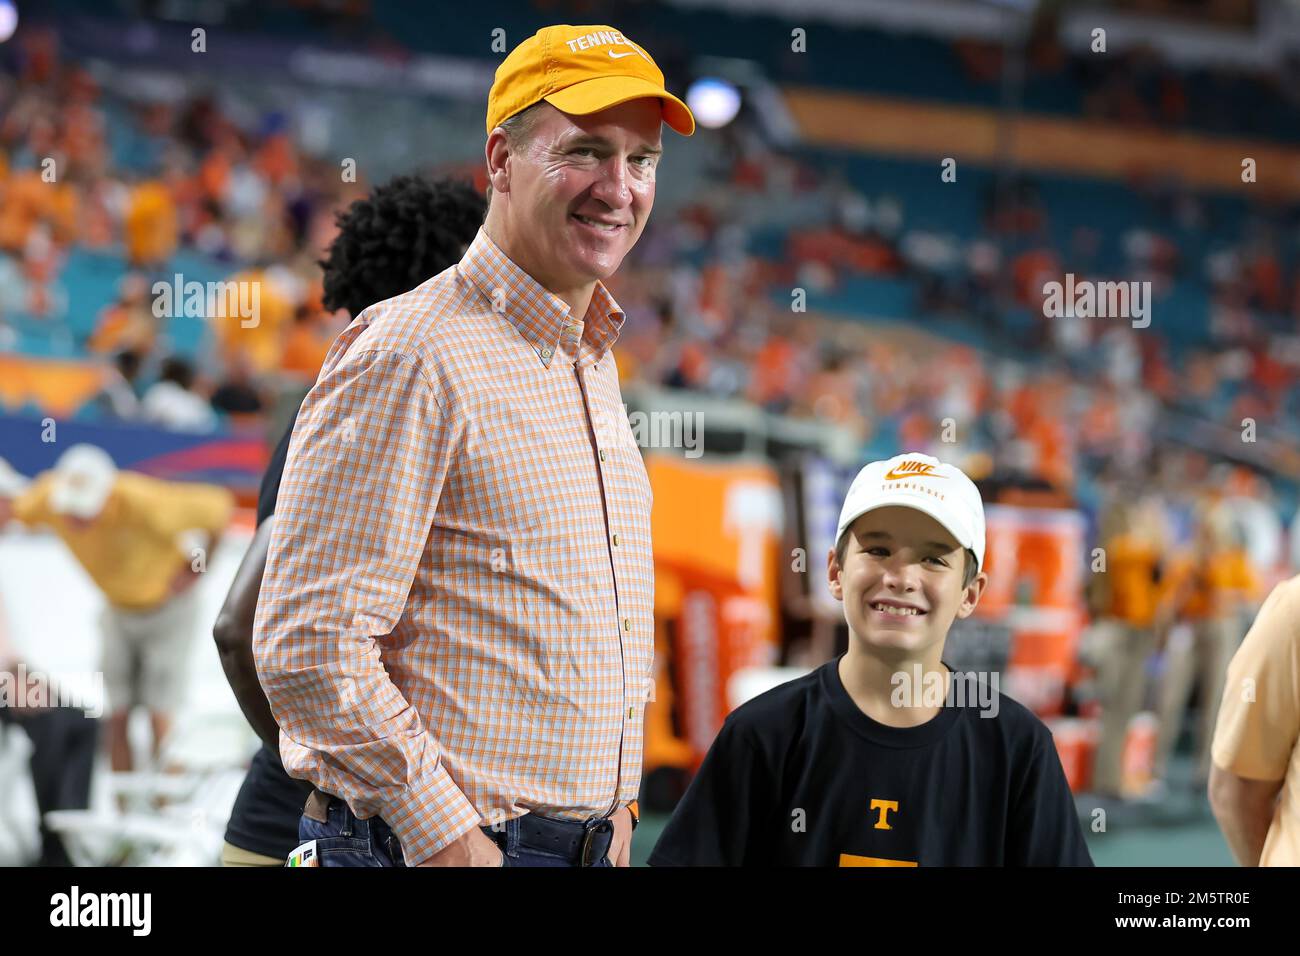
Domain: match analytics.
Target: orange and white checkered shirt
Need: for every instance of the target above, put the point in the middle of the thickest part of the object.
(456, 622)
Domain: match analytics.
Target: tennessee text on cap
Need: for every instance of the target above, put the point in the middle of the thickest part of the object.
(918, 481)
(580, 70)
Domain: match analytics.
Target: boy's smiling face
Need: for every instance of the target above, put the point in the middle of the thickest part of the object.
(901, 581)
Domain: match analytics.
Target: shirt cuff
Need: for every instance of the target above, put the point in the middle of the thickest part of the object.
(432, 815)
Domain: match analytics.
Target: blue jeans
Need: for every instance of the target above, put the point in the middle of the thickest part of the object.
(345, 840)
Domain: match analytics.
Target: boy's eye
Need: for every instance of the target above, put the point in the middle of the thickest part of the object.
(878, 552)
(939, 561)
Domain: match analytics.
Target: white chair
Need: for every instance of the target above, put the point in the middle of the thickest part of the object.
(19, 836)
(172, 818)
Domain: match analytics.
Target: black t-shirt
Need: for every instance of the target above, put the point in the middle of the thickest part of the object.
(265, 816)
(800, 776)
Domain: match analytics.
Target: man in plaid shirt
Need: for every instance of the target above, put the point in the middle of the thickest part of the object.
(455, 629)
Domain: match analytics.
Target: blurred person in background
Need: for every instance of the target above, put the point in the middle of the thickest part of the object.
(63, 739)
(117, 399)
(144, 543)
(238, 395)
(1124, 637)
(401, 234)
(1211, 586)
(172, 403)
(128, 323)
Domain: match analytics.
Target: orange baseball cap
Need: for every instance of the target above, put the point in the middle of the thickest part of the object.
(580, 70)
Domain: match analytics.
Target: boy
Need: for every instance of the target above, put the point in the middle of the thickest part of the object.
(861, 763)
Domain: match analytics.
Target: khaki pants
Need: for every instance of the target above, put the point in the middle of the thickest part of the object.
(233, 856)
(1119, 653)
(1202, 651)
(146, 654)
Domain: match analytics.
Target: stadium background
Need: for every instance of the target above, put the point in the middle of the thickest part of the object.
(811, 293)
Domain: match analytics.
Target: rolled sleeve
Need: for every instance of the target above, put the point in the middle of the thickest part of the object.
(365, 469)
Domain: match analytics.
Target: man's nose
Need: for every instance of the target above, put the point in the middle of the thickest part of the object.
(611, 184)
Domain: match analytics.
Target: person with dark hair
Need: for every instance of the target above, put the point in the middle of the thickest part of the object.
(172, 402)
(118, 399)
(401, 234)
(391, 241)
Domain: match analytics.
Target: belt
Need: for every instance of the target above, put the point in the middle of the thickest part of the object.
(582, 843)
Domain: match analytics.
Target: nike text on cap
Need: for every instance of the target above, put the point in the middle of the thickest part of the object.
(580, 70)
(918, 481)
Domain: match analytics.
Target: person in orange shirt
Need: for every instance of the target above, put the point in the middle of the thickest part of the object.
(306, 343)
(127, 324)
(150, 225)
(1124, 634)
(1210, 588)
(258, 342)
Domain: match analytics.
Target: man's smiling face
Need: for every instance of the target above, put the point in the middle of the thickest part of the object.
(581, 189)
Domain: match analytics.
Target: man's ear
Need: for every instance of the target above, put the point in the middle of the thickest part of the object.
(497, 154)
(833, 575)
(970, 597)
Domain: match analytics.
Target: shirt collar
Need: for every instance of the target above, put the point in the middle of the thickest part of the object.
(540, 315)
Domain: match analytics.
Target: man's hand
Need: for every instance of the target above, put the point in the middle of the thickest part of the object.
(6, 510)
(620, 848)
(475, 848)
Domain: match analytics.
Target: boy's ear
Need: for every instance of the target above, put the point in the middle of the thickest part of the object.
(971, 596)
(833, 574)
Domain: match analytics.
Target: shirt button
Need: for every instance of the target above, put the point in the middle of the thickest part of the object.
(627, 624)
(602, 454)
(546, 353)
(629, 713)
(616, 539)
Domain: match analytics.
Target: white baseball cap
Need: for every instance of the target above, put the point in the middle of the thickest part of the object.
(913, 480)
(83, 479)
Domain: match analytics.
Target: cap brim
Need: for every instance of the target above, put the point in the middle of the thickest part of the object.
(602, 92)
(918, 504)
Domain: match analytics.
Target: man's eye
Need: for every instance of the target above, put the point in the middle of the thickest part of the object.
(584, 149)
(646, 161)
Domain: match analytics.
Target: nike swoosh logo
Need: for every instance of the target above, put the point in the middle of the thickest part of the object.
(895, 475)
(619, 56)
